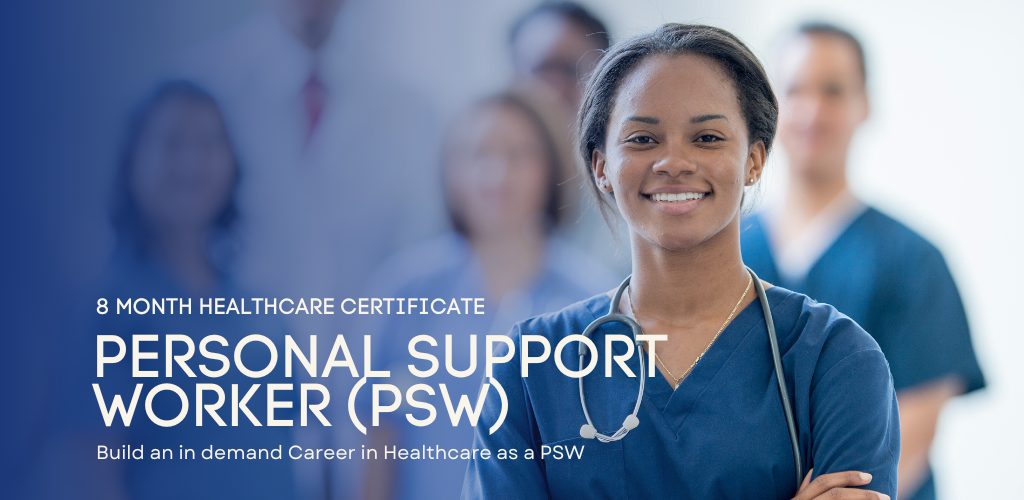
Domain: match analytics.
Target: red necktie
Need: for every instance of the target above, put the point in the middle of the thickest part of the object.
(314, 95)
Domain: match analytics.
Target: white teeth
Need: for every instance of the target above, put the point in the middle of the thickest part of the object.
(670, 197)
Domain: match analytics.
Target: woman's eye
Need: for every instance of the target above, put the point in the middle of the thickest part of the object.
(833, 90)
(709, 138)
(641, 139)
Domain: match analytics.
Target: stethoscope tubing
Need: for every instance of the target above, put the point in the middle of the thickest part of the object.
(588, 430)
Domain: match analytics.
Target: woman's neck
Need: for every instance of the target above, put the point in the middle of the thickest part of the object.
(184, 251)
(509, 260)
(806, 197)
(690, 286)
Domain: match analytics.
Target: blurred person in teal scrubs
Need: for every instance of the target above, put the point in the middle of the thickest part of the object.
(825, 242)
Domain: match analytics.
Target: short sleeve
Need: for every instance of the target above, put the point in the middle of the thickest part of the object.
(930, 336)
(506, 478)
(855, 420)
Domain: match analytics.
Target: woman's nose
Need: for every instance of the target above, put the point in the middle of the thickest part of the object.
(494, 170)
(675, 162)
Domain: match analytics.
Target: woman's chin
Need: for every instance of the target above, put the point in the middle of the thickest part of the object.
(677, 242)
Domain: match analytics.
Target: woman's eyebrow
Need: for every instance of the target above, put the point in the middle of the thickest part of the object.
(696, 119)
(643, 119)
(704, 118)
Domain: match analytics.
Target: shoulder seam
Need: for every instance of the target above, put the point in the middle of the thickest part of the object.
(848, 356)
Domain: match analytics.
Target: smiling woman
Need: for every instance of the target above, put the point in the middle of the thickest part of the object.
(674, 125)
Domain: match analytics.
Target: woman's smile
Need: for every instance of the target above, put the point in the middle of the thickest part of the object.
(676, 200)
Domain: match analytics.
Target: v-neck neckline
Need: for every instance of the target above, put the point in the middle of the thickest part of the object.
(674, 406)
(796, 283)
(660, 369)
(724, 342)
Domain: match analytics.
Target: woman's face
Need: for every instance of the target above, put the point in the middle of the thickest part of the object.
(677, 155)
(183, 171)
(498, 170)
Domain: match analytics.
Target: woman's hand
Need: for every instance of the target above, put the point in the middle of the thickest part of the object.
(836, 485)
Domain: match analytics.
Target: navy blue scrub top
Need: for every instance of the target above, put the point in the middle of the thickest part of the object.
(897, 286)
(720, 434)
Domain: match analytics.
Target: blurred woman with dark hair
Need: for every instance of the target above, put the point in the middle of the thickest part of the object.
(175, 186)
(173, 215)
(503, 172)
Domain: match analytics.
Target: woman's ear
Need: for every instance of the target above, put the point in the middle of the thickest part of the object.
(597, 164)
(755, 163)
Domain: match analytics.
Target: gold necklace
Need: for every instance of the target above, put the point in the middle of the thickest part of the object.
(679, 380)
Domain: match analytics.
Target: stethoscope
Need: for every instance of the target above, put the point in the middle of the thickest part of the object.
(589, 431)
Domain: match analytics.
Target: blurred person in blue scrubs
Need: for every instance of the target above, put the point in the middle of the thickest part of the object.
(824, 241)
(174, 214)
(675, 126)
(502, 174)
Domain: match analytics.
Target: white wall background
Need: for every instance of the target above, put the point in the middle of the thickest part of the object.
(942, 150)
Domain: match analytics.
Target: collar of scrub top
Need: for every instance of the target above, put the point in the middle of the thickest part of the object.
(795, 257)
(589, 431)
